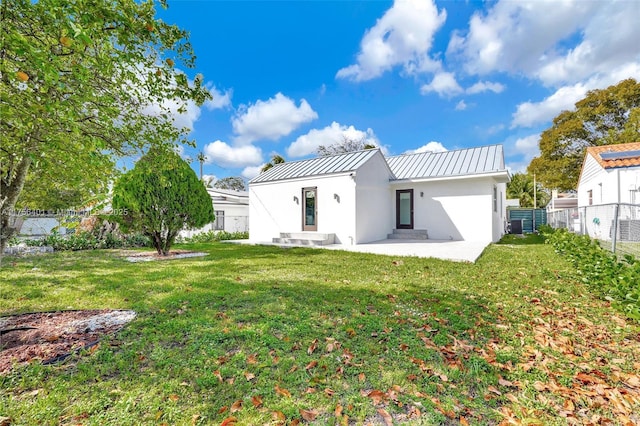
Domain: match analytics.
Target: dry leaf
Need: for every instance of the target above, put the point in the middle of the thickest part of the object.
(494, 390)
(388, 420)
(309, 415)
(403, 347)
(229, 421)
(338, 411)
(174, 397)
(249, 376)
(329, 392)
(362, 377)
(236, 406)
(252, 359)
(217, 374)
(463, 421)
(278, 416)
(503, 382)
(256, 400)
(312, 347)
(282, 392)
(311, 365)
(376, 396)
(223, 409)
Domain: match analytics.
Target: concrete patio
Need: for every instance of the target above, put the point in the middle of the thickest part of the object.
(459, 251)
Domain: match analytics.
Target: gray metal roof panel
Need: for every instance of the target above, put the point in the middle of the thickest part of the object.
(449, 163)
(340, 163)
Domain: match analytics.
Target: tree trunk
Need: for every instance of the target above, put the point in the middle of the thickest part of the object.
(10, 189)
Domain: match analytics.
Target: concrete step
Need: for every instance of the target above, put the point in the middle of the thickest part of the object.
(305, 238)
(408, 234)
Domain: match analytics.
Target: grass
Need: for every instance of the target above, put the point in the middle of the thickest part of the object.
(263, 334)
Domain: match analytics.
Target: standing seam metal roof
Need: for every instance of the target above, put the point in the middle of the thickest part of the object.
(460, 162)
(422, 165)
(341, 163)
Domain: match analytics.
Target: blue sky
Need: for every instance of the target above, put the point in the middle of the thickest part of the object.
(288, 76)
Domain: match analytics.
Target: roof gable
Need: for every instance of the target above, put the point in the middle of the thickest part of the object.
(331, 164)
(461, 162)
(628, 155)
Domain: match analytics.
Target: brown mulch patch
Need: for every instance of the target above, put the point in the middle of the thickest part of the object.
(52, 336)
(145, 256)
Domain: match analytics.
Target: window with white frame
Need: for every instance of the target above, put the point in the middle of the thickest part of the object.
(495, 198)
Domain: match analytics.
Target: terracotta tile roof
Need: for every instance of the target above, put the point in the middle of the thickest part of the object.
(595, 152)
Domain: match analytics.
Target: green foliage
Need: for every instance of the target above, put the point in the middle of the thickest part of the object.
(603, 117)
(78, 80)
(212, 236)
(617, 280)
(275, 159)
(234, 183)
(89, 241)
(161, 196)
(521, 187)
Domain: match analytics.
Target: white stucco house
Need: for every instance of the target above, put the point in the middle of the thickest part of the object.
(363, 196)
(231, 209)
(610, 174)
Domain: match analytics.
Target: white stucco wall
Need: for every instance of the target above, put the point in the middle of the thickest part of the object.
(375, 204)
(272, 208)
(460, 209)
(607, 186)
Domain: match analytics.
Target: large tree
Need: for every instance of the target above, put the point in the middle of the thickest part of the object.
(83, 83)
(234, 183)
(161, 196)
(522, 186)
(603, 117)
(347, 144)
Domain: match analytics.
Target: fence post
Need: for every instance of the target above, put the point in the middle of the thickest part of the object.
(614, 238)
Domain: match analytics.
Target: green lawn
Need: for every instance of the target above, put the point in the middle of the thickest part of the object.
(271, 336)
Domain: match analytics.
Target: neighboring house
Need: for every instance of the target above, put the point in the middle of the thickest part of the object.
(610, 174)
(360, 197)
(562, 201)
(609, 192)
(231, 209)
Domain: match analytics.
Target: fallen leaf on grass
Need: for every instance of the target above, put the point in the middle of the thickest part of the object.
(338, 411)
(311, 365)
(223, 409)
(236, 406)
(309, 415)
(249, 376)
(362, 377)
(376, 396)
(313, 346)
(256, 400)
(282, 392)
(218, 375)
(252, 359)
(278, 416)
(388, 420)
(229, 421)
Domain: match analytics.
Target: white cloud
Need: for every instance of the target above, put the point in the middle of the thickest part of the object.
(529, 113)
(309, 143)
(432, 146)
(403, 36)
(184, 115)
(270, 119)
(559, 42)
(224, 155)
(461, 106)
(220, 100)
(485, 86)
(444, 84)
(528, 146)
(251, 171)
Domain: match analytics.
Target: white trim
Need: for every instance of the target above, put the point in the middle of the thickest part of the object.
(498, 174)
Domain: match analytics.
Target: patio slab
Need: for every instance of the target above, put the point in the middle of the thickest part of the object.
(459, 251)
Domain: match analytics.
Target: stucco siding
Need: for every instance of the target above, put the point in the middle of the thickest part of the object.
(453, 210)
(374, 204)
(276, 207)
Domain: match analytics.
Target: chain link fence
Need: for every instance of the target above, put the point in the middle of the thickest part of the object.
(615, 226)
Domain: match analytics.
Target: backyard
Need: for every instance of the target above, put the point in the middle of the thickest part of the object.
(264, 335)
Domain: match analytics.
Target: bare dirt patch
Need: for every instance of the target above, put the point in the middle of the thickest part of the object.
(149, 256)
(51, 336)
